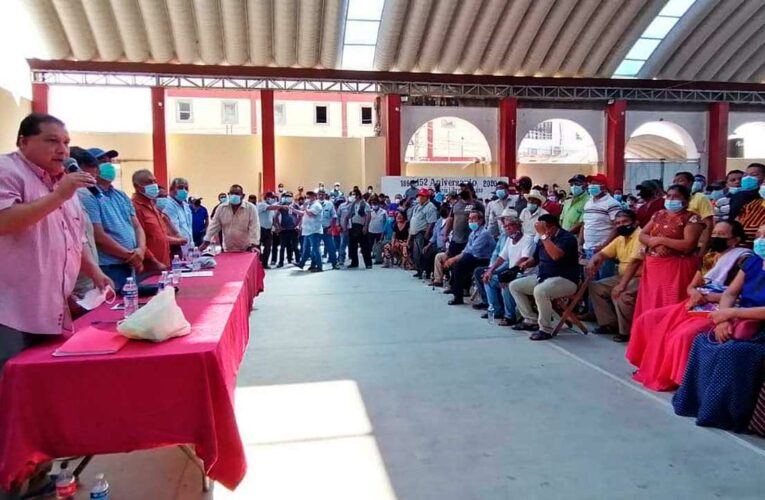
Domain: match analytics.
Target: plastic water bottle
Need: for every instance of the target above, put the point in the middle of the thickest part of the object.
(163, 281)
(196, 263)
(66, 485)
(490, 314)
(130, 296)
(101, 489)
(177, 269)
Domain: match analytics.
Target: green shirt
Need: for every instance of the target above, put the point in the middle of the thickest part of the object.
(573, 211)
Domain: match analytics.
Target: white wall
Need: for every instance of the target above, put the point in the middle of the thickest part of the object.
(485, 119)
(207, 116)
(300, 119)
(355, 128)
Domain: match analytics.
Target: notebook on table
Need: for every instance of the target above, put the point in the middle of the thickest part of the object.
(92, 342)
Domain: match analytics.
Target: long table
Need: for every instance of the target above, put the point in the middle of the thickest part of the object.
(179, 392)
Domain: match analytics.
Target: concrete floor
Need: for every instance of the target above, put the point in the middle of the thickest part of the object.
(366, 385)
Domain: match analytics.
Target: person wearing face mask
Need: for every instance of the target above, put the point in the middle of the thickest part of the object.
(154, 224)
(436, 243)
(119, 236)
(457, 224)
(412, 190)
(286, 224)
(377, 221)
(267, 211)
(750, 183)
(699, 203)
(424, 217)
(495, 208)
(573, 208)
(477, 252)
(199, 220)
(722, 379)
(752, 216)
(178, 210)
(721, 197)
(661, 338)
(237, 221)
(328, 222)
(652, 200)
(343, 209)
(336, 191)
(312, 233)
(613, 298)
(598, 223)
(671, 242)
(511, 249)
(530, 215)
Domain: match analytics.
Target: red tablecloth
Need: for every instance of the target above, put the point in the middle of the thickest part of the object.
(147, 395)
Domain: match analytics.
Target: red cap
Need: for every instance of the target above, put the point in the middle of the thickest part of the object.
(423, 192)
(598, 179)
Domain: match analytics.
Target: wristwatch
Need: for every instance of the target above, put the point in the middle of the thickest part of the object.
(543, 237)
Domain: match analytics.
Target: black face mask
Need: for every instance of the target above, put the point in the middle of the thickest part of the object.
(718, 244)
(625, 230)
(464, 195)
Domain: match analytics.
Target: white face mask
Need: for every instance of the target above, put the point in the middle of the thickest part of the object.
(96, 297)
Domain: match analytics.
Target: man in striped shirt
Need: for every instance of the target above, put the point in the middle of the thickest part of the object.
(752, 216)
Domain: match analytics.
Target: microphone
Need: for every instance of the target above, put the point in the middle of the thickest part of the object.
(71, 165)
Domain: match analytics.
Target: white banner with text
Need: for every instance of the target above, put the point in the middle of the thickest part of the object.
(484, 186)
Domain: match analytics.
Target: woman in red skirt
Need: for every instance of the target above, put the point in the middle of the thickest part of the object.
(662, 338)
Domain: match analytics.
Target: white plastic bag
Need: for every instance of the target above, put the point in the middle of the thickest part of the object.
(160, 319)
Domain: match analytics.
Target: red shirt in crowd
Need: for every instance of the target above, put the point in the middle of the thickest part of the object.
(646, 211)
(154, 225)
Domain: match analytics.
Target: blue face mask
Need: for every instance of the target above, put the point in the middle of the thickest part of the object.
(107, 172)
(181, 195)
(152, 190)
(440, 197)
(234, 199)
(696, 186)
(762, 192)
(716, 194)
(576, 190)
(748, 183)
(759, 247)
(673, 206)
(594, 189)
(618, 197)
(474, 226)
(162, 203)
(501, 194)
(734, 190)
(532, 207)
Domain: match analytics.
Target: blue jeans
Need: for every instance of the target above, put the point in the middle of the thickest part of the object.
(311, 248)
(606, 270)
(342, 247)
(329, 246)
(499, 298)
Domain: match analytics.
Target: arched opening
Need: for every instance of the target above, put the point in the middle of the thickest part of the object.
(555, 150)
(658, 150)
(746, 145)
(448, 146)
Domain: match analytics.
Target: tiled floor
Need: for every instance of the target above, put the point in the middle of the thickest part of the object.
(365, 385)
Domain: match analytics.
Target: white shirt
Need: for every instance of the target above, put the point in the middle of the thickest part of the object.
(599, 216)
(494, 211)
(312, 219)
(512, 252)
(528, 219)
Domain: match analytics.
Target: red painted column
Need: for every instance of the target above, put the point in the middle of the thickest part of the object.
(159, 138)
(718, 140)
(391, 108)
(508, 125)
(268, 142)
(40, 98)
(616, 114)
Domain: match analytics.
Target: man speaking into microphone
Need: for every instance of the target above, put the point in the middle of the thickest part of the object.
(41, 236)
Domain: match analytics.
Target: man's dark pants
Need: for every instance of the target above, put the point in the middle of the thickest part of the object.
(265, 245)
(463, 273)
(418, 254)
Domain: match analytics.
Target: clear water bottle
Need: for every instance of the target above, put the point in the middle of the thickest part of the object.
(130, 296)
(196, 263)
(100, 490)
(66, 484)
(490, 314)
(177, 269)
(163, 281)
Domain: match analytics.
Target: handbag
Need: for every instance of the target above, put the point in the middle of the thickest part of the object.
(509, 274)
(160, 319)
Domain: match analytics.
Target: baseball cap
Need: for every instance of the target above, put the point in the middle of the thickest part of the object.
(83, 156)
(423, 192)
(577, 178)
(98, 153)
(598, 179)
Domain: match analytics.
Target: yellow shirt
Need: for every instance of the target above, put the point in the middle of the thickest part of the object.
(624, 250)
(701, 205)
